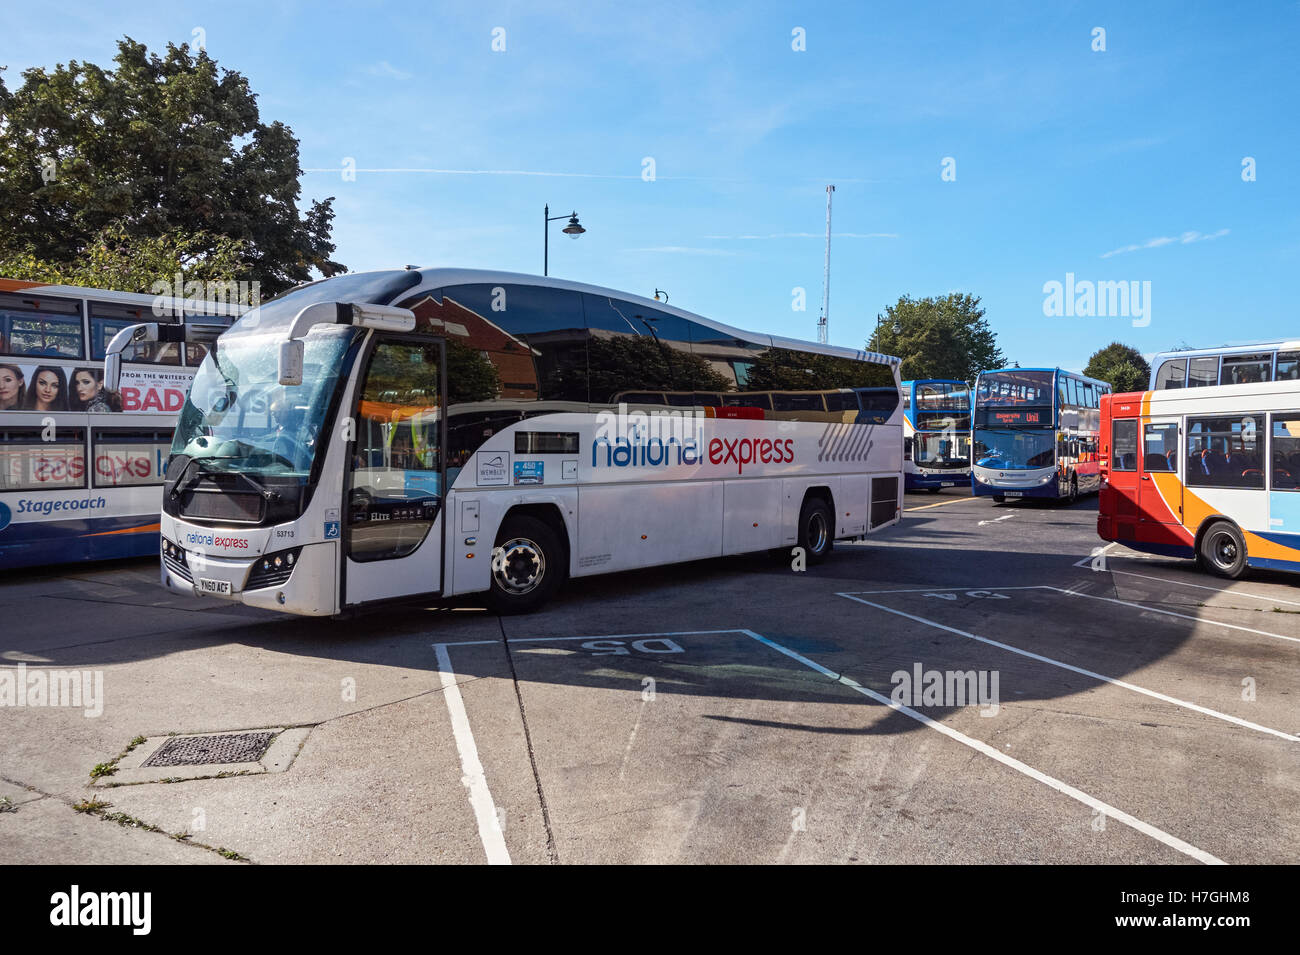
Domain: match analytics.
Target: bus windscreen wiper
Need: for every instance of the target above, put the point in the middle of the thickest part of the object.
(184, 481)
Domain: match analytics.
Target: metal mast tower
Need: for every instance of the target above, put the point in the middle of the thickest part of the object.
(823, 321)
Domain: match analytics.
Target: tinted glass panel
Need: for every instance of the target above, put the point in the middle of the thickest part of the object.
(40, 325)
(1246, 369)
(1288, 365)
(1124, 445)
(1225, 451)
(28, 462)
(1172, 374)
(1203, 372)
(129, 457)
(1160, 447)
(395, 488)
(1286, 452)
(1015, 388)
(107, 319)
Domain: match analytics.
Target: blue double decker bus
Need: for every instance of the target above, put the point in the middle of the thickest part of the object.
(1036, 434)
(936, 434)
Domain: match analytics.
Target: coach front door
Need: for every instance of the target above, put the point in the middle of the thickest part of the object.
(1159, 491)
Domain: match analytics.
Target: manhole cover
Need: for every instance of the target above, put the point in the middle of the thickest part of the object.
(201, 750)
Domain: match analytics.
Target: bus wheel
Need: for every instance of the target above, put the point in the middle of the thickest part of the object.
(527, 565)
(1073, 496)
(934, 490)
(815, 535)
(999, 498)
(1223, 552)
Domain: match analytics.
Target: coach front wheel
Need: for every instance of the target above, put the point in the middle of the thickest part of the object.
(527, 565)
(815, 535)
(1222, 551)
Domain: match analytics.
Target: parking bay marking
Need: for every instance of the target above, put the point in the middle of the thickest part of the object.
(1289, 737)
(485, 813)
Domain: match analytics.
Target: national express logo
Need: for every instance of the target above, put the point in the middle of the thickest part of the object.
(671, 438)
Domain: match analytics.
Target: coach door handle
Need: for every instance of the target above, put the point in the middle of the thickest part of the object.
(1146, 477)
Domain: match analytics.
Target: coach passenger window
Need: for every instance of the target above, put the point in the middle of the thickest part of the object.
(1124, 442)
(36, 325)
(1172, 374)
(1225, 451)
(1246, 369)
(1288, 365)
(34, 463)
(1160, 447)
(109, 318)
(1204, 372)
(1286, 452)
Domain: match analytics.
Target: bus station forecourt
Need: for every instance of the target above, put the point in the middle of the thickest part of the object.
(973, 682)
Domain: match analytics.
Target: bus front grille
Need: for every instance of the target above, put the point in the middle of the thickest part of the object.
(222, 506)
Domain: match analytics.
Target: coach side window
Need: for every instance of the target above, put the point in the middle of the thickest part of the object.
(1286, 452)
(1160, 447)
(38, 326)
(1204, 372)
(1246, 369)
(1288, 365)
(1225, 451)
(1172, 374)
(1123, 444)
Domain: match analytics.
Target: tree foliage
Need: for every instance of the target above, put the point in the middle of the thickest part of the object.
(1121, 366)
(940, 337)
(156, 146)
(117, 260)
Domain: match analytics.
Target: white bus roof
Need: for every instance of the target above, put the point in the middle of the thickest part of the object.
(1287, 344)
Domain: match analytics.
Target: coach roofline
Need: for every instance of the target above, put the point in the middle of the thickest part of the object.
(432, 279)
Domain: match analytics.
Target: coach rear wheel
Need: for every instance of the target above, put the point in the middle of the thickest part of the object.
(527, 565)
(1222, 551)
(815, 535)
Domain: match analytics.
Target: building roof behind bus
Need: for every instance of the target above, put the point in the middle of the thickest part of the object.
(387, 287)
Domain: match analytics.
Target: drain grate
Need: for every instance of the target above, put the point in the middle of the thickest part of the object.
(201, 750)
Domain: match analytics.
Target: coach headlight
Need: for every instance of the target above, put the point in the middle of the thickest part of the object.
(1046, 478)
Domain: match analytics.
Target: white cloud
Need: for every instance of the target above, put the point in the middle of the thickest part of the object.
(811, 235)
(681, 250)
(1186, 238)
(384, 68)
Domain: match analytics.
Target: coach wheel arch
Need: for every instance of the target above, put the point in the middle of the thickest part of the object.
(548, 514)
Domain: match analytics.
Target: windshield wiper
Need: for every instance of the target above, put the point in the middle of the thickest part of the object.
(183, 482)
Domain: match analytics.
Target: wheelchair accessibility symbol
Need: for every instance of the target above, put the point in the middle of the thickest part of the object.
(331, 530)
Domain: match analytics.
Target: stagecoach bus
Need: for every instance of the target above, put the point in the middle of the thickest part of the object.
(936, 434)
(1035, 434)
(418, 433)
(1227, 365)
(1210, 473)
(81, 467)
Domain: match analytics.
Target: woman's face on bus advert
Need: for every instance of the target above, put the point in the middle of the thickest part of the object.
(9, 385)
(84, 385)
(47, 390)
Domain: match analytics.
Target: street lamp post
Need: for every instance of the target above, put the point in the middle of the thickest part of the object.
(572, 230)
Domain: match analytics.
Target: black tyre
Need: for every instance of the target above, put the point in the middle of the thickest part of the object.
(934, 490)
(1222, 551)
(527, 565)
(816, 530)
(1072, 495)
(999, 498)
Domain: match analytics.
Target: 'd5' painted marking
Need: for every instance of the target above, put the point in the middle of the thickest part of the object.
(986, 594)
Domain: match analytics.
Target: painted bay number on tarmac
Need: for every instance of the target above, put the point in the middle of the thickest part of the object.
(606, 648)
(987, 594)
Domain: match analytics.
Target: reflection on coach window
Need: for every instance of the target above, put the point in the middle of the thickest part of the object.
(38, 326)
(109, 318)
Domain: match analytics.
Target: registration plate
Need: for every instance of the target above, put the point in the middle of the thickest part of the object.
(948, 484)
(1015, 493)
(207, 586)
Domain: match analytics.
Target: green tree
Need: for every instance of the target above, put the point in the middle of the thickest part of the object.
(941, 337)
(117, 260)
(158, 146)
(1120, 366)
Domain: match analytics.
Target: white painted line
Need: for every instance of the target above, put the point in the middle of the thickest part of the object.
(1080, 670)
(1171, 613)
(1004, 517)
(1217, 590)
(611, 636)
(981, 747)
(480, 798)
(1087, 561)
(942, 590)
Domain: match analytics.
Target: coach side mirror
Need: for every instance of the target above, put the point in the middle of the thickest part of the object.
(290, 365)
(112, 372)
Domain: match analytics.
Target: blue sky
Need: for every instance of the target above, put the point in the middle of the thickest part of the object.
(1122, 165)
